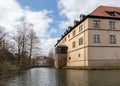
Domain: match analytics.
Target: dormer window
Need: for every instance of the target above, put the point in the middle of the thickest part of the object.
(111, 13)
(82, 16)
(76, 22)
(69, 28)
(118, 13)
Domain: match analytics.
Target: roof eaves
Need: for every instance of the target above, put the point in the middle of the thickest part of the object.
(71, 29)
(103, 17)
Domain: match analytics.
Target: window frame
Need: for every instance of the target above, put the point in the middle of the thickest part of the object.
(81, 41)
(74, 33)
(68, 35)
(65, 39)
(73, 44)
(96, 38)
(69, 58)
(96, 23)
(80, 28)
(112, 39)
(112, 24)
(79, 55)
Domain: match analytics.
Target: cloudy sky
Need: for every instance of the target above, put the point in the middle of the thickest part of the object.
(50, 17)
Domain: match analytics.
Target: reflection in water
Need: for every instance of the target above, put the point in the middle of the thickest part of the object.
(62, 77)
(104, 78)
(77, 78)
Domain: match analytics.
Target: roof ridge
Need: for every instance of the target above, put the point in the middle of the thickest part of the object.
(100, 6)
(109, 6)
(101, 11)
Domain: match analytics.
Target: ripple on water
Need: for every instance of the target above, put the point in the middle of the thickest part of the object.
(62, 77)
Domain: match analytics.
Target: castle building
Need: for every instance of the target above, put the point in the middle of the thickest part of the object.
(92, 41)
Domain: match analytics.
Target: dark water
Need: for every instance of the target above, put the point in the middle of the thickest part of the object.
(62, 77)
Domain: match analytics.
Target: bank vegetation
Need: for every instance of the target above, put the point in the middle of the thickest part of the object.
(16, 52)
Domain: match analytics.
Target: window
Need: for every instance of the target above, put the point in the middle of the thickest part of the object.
(65, 39)
(112, 24)
(73, 44)
(78, 55)
(61, 50)
(111, 13)
(118, 13)
(81, 41)
(74, 33)
(96, 23)
(96, 38)
(69, 58)
(80, 28)
(112, 39)
(68, 36)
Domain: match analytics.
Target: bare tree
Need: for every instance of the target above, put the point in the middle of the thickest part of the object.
(51, 57)
(2, 43)
(21, 40)
(33, 39)
(6, 46)
(27, 41)
(51, 53)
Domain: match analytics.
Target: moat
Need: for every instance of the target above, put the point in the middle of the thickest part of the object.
(64, 77)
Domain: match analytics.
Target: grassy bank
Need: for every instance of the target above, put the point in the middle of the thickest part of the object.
(8, 70)
(93, 67)
(6, 67)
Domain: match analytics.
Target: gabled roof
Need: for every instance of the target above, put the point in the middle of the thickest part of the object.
(106, 11)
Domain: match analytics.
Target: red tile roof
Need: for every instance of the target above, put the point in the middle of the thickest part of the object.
(100, 12)
(105, 10)
(41, 57)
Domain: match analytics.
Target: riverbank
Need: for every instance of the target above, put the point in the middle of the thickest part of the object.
(4, 77)
(13, 71)
(7, 75)
(2, 82)
(93, 67)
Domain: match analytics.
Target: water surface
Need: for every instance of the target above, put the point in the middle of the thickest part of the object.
(62, 77)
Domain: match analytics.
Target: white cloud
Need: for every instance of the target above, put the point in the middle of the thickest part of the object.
(72, 9)
(40, 20)
(48, 44)
(52, 31)
(11, 12)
